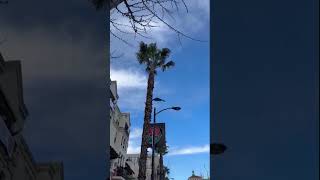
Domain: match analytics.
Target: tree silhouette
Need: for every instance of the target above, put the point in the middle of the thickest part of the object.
(153, 59)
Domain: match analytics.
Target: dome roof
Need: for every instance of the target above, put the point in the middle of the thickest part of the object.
(194, 176)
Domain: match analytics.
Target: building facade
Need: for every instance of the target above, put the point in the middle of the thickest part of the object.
(119, 140)
(16, 160)
(133, 162)
(119, 133)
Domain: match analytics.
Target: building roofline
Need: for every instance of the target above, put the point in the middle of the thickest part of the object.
(116, 88)
(17, 105)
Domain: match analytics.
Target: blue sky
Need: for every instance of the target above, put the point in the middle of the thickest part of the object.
(185, 85)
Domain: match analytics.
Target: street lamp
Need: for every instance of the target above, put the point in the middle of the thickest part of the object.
(158, 99)
(176, 108)
(217, 148)
(155, 113)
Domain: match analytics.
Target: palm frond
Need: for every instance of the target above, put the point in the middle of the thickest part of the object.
(166, 170)
(162, 57)
(163, 149)
(142, 54)
(153, 48)
(153, 57)
(165, 52)
(168, 65)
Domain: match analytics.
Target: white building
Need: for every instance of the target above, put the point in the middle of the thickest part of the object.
(119, 131)
(133, 162)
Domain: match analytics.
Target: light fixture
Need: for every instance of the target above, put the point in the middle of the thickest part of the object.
(158, 99)
(176, 108)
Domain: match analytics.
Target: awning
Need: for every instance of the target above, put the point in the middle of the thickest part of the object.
(129, 170)
(113, 153)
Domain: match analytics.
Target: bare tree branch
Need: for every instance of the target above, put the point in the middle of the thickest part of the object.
(113, 56)
(143, 15)
(170, 26)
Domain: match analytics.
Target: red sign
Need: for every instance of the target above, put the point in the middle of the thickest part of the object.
(159, 135)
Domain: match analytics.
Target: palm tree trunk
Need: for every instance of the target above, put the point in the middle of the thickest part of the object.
(161, 167)
(147, 118)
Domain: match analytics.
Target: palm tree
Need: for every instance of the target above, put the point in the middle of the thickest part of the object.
(167, 172)
(162, 151)
(153, 58)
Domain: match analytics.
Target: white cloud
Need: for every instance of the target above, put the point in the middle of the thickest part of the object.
(135, 145)
(129, 78)
(135, 141)
(132, 87)
(133, 149)
(136, 133)
(189, 150)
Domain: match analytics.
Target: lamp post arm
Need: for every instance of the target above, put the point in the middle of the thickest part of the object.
(163, 110)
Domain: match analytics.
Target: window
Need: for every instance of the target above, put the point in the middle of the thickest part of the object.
(121, 140)
(123, 144)
(115, 138)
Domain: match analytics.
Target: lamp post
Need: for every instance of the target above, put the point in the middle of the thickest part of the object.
(155, 113)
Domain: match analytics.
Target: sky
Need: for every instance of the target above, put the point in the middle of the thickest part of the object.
(264, 77)
(185, 85)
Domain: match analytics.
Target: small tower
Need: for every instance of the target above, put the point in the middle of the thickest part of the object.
(194, 177)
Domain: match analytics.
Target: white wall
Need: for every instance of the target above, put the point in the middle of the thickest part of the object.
(119, 137)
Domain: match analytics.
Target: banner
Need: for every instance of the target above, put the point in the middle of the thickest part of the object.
(159, 134)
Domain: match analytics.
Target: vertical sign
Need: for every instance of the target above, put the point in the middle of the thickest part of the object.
(159, 134)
